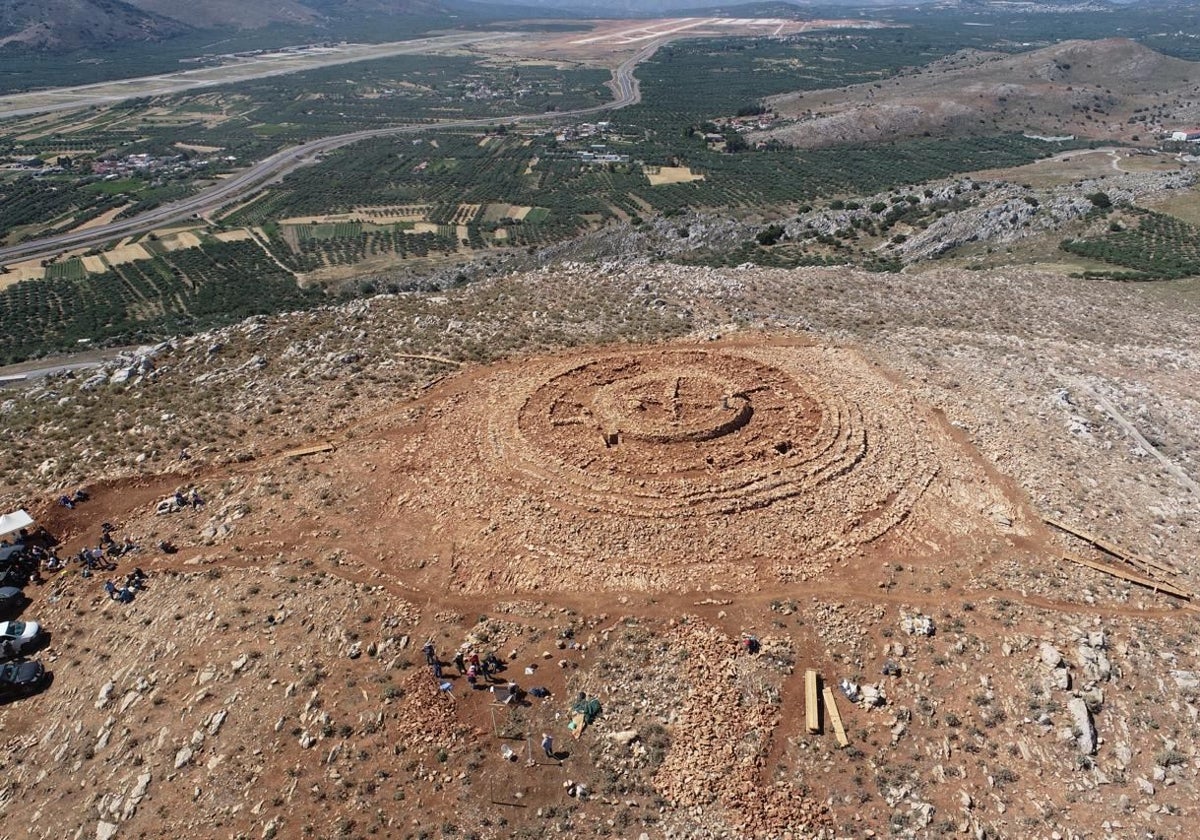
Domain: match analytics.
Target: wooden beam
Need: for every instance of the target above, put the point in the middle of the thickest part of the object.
(1131, 430)
(1109, 548)
(835, 716)
(426, 358)
(308, 450)
(1118, 572)
(812, 708)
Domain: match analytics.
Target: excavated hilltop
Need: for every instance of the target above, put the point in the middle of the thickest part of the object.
(672, 490)
(734, 465)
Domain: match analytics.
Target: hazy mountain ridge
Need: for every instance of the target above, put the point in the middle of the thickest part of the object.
(243, 14)
(71, 24)
(65, 25)
(253, 14)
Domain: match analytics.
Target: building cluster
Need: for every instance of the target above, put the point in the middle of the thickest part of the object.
(755, 122)
(36, 166)
(582, 131)
(599, 153)
(111, 169)
(483, 88)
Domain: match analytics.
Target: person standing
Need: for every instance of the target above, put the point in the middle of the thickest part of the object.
(460, 663)
(548, 744)
(430, 657)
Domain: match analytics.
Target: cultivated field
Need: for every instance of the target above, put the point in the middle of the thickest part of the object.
(658, 175)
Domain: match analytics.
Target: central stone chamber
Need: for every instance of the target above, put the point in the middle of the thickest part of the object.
(674, 406)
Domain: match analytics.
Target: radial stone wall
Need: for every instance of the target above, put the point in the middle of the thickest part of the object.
(647, 468)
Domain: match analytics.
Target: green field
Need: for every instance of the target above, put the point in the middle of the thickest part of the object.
(257, 118)
(68, 270)
(1155, 247)
(188, 289)
(122, 185)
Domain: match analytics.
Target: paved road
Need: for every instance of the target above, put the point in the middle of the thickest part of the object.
(25, 377)
(257, 177)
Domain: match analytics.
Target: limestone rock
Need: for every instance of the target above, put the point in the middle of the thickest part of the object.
(1084, 727)
(1050, 655)
(183, 757)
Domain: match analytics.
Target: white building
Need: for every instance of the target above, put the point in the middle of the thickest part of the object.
(1186, 134)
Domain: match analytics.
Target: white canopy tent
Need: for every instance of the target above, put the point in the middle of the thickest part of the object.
(10, 523)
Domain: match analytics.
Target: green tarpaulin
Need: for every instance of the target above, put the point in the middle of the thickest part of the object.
(590, 709)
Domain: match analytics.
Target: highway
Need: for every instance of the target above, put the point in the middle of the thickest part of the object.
(271, 169)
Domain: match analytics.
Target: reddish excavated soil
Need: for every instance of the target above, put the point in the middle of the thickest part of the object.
(616, 518)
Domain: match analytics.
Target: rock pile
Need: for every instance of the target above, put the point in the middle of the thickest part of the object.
(721, 738)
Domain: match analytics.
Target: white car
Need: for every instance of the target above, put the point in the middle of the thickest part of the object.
(18, 634)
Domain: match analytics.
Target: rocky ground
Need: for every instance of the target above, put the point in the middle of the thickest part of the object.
(1113, 88)
(270, 683)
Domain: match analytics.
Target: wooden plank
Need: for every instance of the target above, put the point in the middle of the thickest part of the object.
(422, 357)
(308, 450)
(835, 716)
(812, 709)
(1131, 430)
(1118, 572)
(1109, 548)
(580, 724)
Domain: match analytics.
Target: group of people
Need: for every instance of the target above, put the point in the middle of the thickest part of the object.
(135, 581)
(472, 666)
(25, 559)
(180, 500)
(468, 663)
(73, 499)
(102, 556)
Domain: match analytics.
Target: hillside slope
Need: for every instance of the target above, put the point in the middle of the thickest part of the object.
(243, 14)
(65, 25)
(268, 680)
(72, 24)
(1113, 88)
(255, 14)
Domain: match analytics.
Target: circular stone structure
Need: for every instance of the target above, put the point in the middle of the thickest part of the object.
(721, 464)
(684, 431)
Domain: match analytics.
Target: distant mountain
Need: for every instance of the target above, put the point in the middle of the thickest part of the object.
(73, 24)
(239, 14)
(663, 8)
(65, 25)
(340, 8)
(254, 14)
(751, 9)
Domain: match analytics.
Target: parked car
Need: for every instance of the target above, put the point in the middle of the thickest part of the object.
(16, 636)
(20, 678)
(11, 598)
